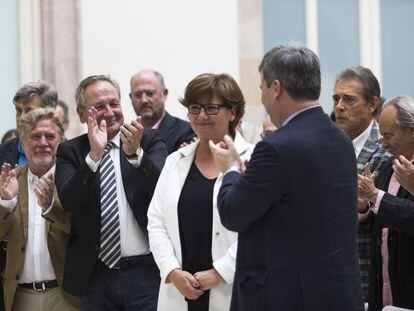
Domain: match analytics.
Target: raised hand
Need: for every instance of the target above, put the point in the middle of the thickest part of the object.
(8, 182)
(208, 278)
(404, 173)
(366, 185)
(225, 154)
(97, 135)
(186, 284)
(131, 135)
(44, 191)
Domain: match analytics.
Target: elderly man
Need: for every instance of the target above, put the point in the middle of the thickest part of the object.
(392, 269)
(356, 99)
(295, 251)
(106, 179)
(30, 96)
(148, 96)
(36, 247)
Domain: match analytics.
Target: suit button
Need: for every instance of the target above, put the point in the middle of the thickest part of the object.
(217, 233)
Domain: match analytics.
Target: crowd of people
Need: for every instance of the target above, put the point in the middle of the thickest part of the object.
(158, 213)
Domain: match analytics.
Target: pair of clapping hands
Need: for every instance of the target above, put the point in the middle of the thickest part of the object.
(193, 286)
(9, 187)
(130, 134)
(403, 171)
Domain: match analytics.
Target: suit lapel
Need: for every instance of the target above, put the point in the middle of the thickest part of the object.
(23, 200)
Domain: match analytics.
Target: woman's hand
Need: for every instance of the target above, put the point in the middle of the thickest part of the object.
(208, 278)
(186, 284)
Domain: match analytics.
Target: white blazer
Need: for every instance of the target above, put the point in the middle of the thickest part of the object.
(164, 235)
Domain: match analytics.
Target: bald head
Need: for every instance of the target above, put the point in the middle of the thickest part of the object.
(148, 95)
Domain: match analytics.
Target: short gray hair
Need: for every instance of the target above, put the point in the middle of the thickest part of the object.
(45, 91)
(30, 120)
(296, 67)
(80, 90)
(405, 110)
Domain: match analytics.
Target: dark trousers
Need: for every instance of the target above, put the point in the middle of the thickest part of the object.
(129, 288)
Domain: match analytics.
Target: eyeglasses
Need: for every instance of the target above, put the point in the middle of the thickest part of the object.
(139, 94)
(210, 109)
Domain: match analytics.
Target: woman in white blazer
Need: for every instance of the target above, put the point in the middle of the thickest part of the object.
(194, 252)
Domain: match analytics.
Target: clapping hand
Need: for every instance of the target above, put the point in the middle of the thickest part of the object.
(225, 154)
(8, 182)
(404, 173)
(44, 191)
(131, 135)
(366, 185)
(97, 135)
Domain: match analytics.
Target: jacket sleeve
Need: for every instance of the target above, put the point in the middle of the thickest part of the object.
(264, 172)
(397, 213)
(74, 179)
(159, 239)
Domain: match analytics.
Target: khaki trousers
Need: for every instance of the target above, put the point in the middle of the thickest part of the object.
(51, 300)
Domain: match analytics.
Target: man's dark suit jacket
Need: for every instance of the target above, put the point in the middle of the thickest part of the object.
(79, 193)
(175, 131)
(295, 209)
(397, 214)
(9, 153)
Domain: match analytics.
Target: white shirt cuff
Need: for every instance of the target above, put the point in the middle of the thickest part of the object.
(92, 164)
(9, 205)
(136, 162)
(233, 168)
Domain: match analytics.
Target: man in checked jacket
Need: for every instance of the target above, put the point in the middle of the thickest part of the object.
(356, 99)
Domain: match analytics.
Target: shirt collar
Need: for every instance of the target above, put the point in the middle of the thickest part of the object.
(116, 140)
(297, 113)
(157, 125)
(360, 140)
(33, 178)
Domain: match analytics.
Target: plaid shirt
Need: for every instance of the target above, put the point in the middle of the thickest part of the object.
(376, 156)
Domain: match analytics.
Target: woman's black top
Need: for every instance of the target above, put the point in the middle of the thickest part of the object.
(195, 218)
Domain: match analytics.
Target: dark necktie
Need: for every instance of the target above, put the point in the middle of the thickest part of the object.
(110, 252)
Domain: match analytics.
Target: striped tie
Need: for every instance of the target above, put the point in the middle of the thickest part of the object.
(110, 252)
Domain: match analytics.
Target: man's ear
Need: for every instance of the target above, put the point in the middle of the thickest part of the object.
(373, 104)
(277, 88)
(83, 115)
(165, 92)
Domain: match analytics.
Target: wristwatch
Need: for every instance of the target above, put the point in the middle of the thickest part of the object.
(134, 155)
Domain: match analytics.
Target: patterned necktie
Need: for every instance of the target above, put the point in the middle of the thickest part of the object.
(110, 252)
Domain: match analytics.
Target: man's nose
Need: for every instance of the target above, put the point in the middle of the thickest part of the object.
(43, 140)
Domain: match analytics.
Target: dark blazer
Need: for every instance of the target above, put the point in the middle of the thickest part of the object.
(295, 209)
(9, 153)
(397, 214)
(78, 189)
(175, 131)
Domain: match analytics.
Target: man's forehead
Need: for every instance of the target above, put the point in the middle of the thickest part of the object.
(350, 86)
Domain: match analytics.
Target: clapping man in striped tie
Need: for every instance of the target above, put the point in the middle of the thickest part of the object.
(106, 179)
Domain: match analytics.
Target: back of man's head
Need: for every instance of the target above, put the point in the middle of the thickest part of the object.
(296, 67)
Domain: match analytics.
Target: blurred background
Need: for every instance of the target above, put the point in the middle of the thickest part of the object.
(63, 41)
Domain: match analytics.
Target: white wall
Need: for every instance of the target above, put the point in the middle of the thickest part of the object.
(180, 39)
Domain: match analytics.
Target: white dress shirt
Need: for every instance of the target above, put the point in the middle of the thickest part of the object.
(133, 240)
(37, 265)
(361, 139)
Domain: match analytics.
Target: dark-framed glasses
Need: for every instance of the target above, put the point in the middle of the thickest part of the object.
(210, 109)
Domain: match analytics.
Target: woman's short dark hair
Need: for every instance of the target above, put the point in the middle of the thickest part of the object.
(208, 85)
